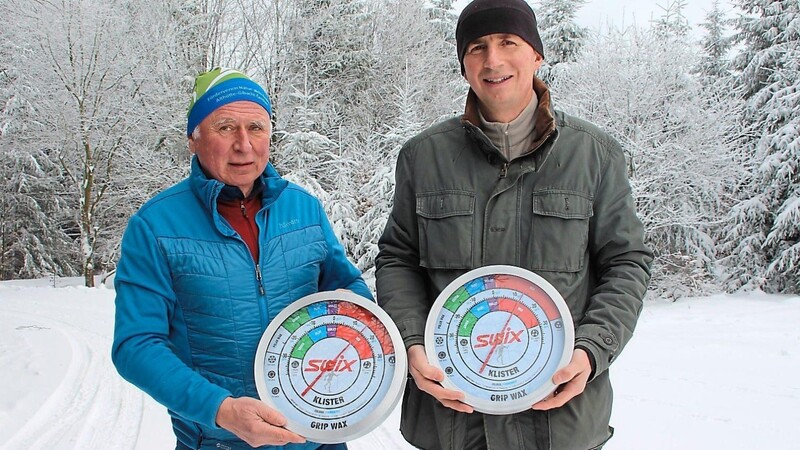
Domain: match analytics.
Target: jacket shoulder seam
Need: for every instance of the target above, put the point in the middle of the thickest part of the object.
(605, 141)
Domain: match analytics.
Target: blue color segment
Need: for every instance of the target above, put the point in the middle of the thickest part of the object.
(475, 286)
(480, 309)
(318, 333)
(317, 309)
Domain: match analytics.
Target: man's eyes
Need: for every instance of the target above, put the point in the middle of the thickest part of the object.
(481, 47)
(231, 128)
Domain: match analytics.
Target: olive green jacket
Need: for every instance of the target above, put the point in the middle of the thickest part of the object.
(564, 210)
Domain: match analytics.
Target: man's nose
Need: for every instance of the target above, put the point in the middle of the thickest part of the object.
(242, 140)
(493, 59)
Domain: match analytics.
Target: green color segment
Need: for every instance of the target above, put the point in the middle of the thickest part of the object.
(297, 319)
(467, 324)
(299, 350)
(455, 300)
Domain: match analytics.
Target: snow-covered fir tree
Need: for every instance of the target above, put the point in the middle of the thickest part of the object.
(562, 37)
(714, 64)
(763, 240)
(672, 23)
(300, 149)
(379, 190)
(32, 244)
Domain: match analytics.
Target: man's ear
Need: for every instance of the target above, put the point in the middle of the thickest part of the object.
(538, 60)
(192, 145)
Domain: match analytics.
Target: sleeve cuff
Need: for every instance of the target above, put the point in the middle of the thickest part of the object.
(592, 360)
(601, 345)
(218, 398)
(412, 331)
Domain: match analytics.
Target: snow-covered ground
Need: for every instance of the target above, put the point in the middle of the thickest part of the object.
(701, 373)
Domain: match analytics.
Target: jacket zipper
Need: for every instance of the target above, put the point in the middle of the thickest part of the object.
(258, 266)
(258, 278)
(504, 170)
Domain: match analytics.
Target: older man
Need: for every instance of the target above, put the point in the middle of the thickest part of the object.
(209, 262)
(513, 182)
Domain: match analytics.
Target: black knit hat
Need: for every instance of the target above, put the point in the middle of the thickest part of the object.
(482, 17)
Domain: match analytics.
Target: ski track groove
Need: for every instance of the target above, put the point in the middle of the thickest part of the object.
(76, 413)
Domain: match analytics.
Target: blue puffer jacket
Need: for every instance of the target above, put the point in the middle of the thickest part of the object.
(191, 304)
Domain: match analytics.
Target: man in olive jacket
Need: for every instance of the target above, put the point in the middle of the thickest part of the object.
(513, 182)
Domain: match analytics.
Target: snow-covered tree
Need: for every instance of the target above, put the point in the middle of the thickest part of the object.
(104, 119)
(562, 37)
(25, 240)
(672, 23)
(379, 190)
(301, 149)
(346, 81)
(714, 63)
(79, 67)
(32, 243)
(675, 136)
(763, 240)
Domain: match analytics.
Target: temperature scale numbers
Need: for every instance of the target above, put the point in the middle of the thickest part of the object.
(330, 367)
(500, 337)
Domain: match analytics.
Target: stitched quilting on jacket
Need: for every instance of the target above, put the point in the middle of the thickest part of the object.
(192, 304)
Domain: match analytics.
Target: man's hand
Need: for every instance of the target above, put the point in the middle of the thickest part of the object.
(255, 422)
(571, 381)
(427, 378)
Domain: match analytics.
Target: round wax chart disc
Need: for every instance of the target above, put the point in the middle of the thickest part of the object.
(334, 364)
(499, 333)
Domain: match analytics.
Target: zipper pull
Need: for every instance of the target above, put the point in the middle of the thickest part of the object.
(244, 210)
(504, 170)
(258, 278)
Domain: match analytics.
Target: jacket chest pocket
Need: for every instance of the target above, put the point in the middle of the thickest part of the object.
(559, 230)
(445, 224)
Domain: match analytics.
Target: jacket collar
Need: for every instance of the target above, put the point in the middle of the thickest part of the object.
(208, 189)
(545, 124)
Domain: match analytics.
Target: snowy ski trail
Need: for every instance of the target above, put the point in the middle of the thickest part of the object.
(83, 402)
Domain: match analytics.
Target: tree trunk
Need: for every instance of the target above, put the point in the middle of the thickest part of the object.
(87, 219)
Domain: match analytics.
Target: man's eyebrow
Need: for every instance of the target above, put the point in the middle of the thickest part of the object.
(229, 120)
(485, 38)
(223, 121)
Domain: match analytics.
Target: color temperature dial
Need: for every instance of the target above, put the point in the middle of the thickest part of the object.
(334, 364)
(500, 333)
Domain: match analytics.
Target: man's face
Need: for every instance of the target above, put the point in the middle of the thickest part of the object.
(499, 68)
(233, 144)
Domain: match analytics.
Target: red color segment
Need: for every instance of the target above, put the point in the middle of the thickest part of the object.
(355, 339)
(368, 319)
(531, 290)
(517, 309)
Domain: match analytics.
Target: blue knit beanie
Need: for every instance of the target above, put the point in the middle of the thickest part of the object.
(219, 87)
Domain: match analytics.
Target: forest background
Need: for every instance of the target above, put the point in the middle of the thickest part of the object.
(93, 97)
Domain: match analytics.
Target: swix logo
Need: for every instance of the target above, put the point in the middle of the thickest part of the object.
(330, 365)
(504, 337)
